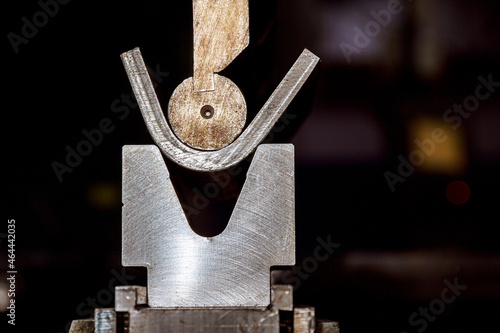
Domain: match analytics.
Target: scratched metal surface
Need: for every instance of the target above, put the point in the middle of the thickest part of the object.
(82, 326)
(231, 269)
(240, 148)
(105, 321)
(220, 33)
(215, 132)
(204, 321)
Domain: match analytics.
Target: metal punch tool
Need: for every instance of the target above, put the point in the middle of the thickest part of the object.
(220, 283)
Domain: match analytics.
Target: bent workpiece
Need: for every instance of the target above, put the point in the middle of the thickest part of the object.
(228, 156)
(221, 283)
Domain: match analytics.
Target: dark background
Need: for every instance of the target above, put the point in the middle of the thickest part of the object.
(396, 247)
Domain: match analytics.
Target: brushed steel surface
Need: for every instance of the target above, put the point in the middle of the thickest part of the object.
(105, 320)
(127, 297)
(204, 321)
(231, 269)
(82, 326)
(282, 297)
(304, 319)
(240, 148)
(327, 326)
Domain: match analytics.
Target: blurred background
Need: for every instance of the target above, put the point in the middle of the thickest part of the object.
(408, 209)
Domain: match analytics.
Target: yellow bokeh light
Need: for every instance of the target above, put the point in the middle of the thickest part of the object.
(448, 156)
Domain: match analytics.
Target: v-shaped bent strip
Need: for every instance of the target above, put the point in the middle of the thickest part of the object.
(238, 150)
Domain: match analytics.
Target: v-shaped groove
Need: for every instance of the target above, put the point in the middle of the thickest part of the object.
(260, 233)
